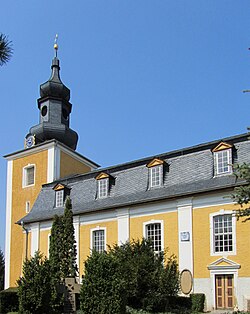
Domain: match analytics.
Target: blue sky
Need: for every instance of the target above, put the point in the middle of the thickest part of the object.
(146, 76)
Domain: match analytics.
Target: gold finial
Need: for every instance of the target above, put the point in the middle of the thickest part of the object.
(56, 45)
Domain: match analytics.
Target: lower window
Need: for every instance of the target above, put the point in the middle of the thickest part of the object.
(98, 240)
(153, 232)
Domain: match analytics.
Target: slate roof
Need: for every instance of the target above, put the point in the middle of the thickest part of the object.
(189, 171)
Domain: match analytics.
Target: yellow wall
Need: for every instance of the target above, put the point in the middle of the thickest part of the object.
(170, 221)
(70, 165)
(201, 236)
(19, 197)
(44, 242)
(111, 237)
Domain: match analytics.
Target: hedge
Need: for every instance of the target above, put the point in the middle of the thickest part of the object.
(197, 300)
(8, 300)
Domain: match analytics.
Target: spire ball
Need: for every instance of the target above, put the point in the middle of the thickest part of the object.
(55, 44)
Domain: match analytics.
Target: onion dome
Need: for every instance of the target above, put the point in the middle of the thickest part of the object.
(54, 87)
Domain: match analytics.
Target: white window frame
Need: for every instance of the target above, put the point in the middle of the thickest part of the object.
(25, 177)
(59, 196)
(98, 228)
(153, 174)
(151, 222)
(222, 212)
(27, 207)
(229, 162)
(103, 185)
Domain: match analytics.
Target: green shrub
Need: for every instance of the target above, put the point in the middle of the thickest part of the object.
(102, 292)
(34, 288)
(197, 300)
(8, 300)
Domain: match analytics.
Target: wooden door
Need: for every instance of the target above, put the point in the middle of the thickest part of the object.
(224, 291)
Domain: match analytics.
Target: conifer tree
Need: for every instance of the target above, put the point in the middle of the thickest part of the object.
(69, 267)
(56, 247)
(1, 270)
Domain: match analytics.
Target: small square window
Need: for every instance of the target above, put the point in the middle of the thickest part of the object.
(103, 188)
(155, 176)
(28, 175)
(59, 198)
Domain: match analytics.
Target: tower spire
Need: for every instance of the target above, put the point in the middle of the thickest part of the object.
(56, 45)
(55, 109)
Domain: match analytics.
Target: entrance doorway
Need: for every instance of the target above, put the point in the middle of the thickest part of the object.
(224, 289)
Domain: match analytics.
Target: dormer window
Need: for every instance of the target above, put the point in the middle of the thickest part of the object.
(222, 159)
(59, 198)
(155, 173)
(102, 185)
(60, 194)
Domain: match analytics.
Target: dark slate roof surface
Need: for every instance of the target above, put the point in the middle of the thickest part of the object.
(189, 171)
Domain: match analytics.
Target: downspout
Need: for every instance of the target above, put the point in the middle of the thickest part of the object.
(26, 240)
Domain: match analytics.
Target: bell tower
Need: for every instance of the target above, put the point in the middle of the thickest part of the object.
(55, 109)
(49, 155)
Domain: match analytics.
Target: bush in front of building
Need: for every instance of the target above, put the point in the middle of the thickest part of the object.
(198, 301)
(102, 290)
(34, 287)
(138, 276)
(8, 300)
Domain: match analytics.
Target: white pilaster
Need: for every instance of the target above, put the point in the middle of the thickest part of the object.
(76, 222)
(8, 223)
(185, 234)
(123, 225)
(53, 171)
(34, 230)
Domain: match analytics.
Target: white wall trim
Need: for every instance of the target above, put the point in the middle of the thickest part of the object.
(185, 225)
(123, 225)
(34, 229)
(51, 162)
(8, 223)
(76, 223)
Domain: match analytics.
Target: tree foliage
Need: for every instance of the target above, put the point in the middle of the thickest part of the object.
(62, 251)
(241, 193)
(68, 262)
(146, 282)
(34, 287)
(102, 290)
(2, 268)
(6, 49)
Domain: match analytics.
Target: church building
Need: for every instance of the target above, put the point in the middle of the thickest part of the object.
(179, 199)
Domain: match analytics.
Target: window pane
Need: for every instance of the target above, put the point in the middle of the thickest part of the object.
(59, 198)
(103, 188)
(223, 161)
(98, 241)
(156, 176)
(29, 175)
(223, 236)
(153, 232)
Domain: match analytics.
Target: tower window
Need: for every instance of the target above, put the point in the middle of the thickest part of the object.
(28, 175)
(44, 111)
(27, 207)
